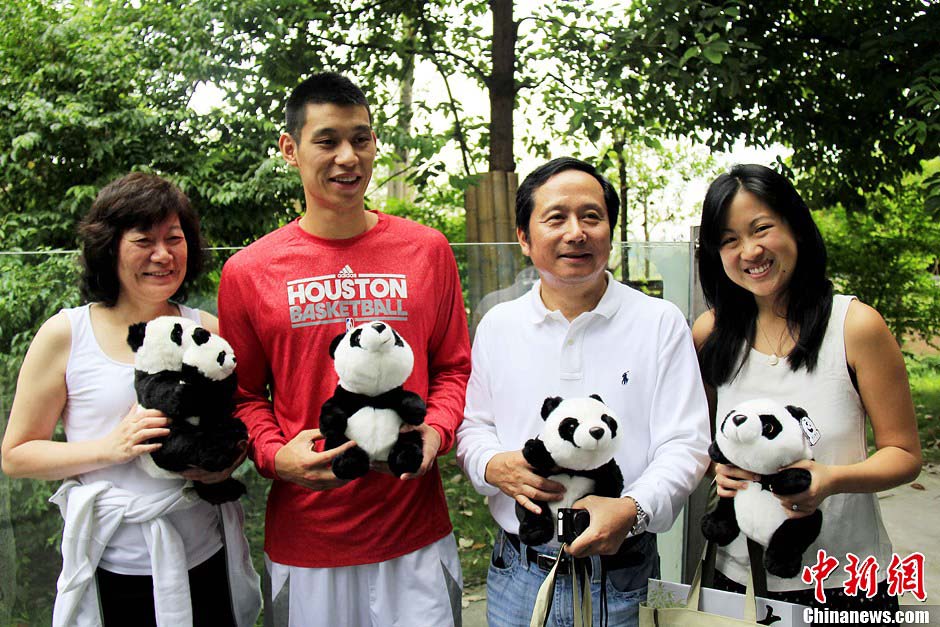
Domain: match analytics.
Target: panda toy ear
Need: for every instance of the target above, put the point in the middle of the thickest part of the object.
(335, 343)
(549, 406)
(177, 334)
(201, 336)
(135, 335)
(797, 412)
(597, 397)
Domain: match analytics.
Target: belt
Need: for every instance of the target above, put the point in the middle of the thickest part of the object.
(544, 562)
(625, 557)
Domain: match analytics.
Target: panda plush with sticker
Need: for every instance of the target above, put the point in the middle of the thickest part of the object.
(370, 405)
(188, 374)
(575, 448)
(763, 436)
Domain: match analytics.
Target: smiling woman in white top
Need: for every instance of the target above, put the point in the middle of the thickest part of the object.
(776, 330)
(140, 245)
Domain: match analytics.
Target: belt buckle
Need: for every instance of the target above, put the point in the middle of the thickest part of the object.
(545, 562)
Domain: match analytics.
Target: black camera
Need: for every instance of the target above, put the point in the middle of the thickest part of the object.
(571, 523)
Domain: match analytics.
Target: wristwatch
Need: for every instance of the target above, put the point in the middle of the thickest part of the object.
(642, 518)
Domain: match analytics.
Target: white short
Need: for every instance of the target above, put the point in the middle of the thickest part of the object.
(421, 588)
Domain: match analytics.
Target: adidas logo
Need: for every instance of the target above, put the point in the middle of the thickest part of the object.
(346, 272)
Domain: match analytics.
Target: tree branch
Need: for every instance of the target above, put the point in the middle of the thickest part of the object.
(429, 52)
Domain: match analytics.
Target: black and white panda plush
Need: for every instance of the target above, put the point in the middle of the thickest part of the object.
(369, 404)
(763, 436)
(158, 362)
(188, 374)
(575, 448)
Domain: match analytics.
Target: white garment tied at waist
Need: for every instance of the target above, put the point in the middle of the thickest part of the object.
(94, 511)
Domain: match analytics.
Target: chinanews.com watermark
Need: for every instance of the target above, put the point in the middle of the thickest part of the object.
(903, 616)
(902, 575)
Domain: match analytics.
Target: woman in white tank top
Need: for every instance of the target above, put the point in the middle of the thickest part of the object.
(140, 243)
(776, 330)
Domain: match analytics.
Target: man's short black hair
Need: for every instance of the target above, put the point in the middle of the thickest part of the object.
(322, 88)
(525, 194)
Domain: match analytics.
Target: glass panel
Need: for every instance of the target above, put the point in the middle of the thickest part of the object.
(38, 285)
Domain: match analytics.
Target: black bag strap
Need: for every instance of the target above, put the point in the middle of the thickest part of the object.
(755, 553)
(708, 565)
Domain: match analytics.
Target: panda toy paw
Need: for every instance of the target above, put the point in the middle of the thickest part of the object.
(784, 565)
(333, 419)
(351, 464)
(537, 455)
(412, 409)
(792, 481)
(215, 453)
(535, 529)
(407, 454)
(222, 492)
(720, 531)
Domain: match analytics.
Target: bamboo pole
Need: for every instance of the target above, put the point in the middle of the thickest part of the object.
(487, 217)
(474, 274)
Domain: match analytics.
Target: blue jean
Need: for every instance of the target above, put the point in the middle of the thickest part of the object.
(512, 585)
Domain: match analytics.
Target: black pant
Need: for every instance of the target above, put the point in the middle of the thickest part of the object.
(128, 599)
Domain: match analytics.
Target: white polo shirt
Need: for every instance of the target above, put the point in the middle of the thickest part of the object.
(633, 350)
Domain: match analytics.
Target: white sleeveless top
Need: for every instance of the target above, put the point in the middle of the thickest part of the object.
(851, 522)
(100, 393)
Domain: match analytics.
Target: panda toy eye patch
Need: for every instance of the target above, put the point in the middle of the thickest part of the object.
(737, 419)
(354, 338)
(567, 428)
(770, 426)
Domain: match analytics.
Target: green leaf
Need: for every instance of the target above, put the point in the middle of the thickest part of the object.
(713, 54)
(691, 53)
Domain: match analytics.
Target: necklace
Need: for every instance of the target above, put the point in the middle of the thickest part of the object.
(774, 359)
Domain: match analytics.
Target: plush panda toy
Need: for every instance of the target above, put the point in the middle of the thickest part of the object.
(158, 362)
(575, 448)
(369, 405)
(188, 374)
(763, 436)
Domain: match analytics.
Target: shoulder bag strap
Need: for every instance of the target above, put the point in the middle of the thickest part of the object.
(580, 585)
(755, 553)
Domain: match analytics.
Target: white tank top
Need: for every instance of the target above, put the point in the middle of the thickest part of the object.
(851, 522)
(100, 393)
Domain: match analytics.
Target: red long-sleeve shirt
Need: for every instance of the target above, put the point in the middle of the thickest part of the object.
(281, 301)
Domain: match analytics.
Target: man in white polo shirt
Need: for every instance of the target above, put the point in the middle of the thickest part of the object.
(579, 332)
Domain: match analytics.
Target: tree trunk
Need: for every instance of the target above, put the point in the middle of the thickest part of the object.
(398, 187)
(619, 144)
(502, 86)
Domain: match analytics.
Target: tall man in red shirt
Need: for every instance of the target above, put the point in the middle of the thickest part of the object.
(376, 550)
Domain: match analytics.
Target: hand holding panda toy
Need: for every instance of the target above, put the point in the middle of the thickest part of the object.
(370, 405)
(575, 448)
(762, 436)
(188, 374)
